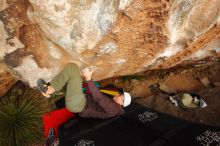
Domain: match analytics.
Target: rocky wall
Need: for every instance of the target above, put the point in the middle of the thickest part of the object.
(118, 37)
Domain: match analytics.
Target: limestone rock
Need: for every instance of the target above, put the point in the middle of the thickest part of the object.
(119, 37)
(205, 81)
(75, 25)
(7, 79)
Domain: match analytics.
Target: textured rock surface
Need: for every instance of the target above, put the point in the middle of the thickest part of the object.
(7, 79)
(119, 37)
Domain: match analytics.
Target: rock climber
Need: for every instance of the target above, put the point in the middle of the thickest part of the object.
(94, 105)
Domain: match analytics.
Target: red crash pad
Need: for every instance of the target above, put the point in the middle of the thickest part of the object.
(56, 118)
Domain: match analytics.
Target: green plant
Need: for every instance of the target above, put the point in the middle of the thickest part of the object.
(21, 117)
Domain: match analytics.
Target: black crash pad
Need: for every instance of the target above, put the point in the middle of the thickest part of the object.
(139, 126)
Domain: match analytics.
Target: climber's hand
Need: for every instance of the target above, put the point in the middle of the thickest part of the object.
(87, 72)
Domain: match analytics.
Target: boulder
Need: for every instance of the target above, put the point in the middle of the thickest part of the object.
(118, 37)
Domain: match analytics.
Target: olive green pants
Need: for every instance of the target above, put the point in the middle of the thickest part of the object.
(70, 76)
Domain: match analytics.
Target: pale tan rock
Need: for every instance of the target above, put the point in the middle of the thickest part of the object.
(140, 88)
(118, 37)
(205, 81)
(75, 25)
(10, 46)
(3, 5)
(181, 83)
(7, 79)
(166, 89)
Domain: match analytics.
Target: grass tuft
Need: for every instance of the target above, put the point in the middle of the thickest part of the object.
(21, 113)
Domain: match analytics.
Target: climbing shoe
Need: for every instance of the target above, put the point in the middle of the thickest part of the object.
(42, 85)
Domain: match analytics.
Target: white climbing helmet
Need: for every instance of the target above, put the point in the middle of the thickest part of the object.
(127, 99)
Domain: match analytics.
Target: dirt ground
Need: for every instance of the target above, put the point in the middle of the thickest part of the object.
(187, 79)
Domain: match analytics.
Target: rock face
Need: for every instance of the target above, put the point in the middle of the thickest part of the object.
(7, 79)
(118, 37)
